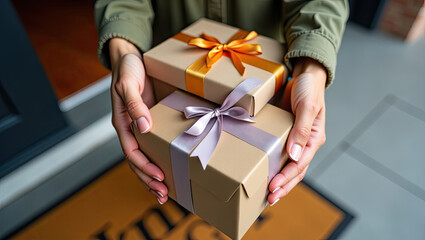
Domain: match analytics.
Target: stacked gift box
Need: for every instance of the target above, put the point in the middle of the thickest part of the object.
(217, 159)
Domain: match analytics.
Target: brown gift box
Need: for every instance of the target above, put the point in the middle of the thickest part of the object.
(231, 192)
(169, 60)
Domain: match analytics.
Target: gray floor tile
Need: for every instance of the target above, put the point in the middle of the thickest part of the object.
(382, 209)
(396, 140)
(371, 65)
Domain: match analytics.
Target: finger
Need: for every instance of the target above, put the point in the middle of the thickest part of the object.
(130, 86)
(284, 190)
(137, 110)
(142, 163)
(291, 171)
(132, 152)
(161, 199)
(158, 188)
(305, 115)
(294, 169)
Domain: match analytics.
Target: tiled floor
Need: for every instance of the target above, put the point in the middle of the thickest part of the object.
(374, 159)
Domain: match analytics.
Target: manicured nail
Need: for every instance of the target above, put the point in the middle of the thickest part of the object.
(295, 153)
(156, 178)
(159, 201)
(276, 189)
(142, 124)
(275, 201)
(160, 194)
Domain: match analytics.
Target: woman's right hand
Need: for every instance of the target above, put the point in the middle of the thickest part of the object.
(132, 96)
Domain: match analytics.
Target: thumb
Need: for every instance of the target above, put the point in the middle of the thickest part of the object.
(138, 110)
(129, 87)
(300, 133)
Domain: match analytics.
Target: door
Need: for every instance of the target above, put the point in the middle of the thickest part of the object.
(30, 119)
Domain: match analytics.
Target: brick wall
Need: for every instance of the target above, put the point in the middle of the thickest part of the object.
(404, 18)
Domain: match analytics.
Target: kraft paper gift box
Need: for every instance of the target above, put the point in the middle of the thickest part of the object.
(175, 63)
(230, 193)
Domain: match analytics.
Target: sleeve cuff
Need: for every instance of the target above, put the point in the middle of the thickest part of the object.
(123, 29)
(315, 46)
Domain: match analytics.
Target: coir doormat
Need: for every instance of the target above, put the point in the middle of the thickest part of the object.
(117, 206)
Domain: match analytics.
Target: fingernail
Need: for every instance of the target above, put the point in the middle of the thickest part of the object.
(276, 189)
(295, 153)
(159, 201)
(142, 124)
(275, 201)
(160, 194)
(156, 178)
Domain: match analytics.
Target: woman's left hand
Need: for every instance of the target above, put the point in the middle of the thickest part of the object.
(307, 102)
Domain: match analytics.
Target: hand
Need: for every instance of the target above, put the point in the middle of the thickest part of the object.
(131, 94)
(307, 101)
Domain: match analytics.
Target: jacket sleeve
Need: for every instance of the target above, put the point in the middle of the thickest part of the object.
(314, 29)
(128, 19)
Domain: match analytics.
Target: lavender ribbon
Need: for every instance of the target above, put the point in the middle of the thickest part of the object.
(207, 146)
(203, 136)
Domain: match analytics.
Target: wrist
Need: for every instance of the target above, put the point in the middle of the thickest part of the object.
(118, 47)
(309, 65)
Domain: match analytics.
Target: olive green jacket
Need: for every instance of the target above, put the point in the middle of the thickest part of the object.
(306, 28)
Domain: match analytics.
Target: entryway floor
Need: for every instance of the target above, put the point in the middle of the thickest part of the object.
(374, 159)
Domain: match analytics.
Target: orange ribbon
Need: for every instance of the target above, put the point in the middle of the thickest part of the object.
(195, 73)
(234, 48)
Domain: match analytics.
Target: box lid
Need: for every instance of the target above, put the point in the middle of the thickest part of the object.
(176, 56)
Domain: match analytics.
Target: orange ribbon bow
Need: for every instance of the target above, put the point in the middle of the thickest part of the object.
(234, 48)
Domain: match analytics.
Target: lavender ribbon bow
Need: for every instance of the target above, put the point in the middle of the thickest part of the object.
(207, 146)
(202, 137)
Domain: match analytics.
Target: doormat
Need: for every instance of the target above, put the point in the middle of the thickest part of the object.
(116, 205)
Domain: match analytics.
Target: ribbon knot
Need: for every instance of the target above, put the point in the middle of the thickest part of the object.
(234, 48)
(217, 112)
(206, 147)
(225, 47)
